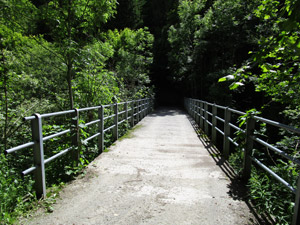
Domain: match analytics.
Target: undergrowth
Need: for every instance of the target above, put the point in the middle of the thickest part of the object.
(269, 196)
(17, 196)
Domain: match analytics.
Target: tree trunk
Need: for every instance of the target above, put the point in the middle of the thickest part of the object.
(69, 57)
(4, 75)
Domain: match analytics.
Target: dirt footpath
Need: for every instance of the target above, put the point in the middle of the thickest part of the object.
(161, 175)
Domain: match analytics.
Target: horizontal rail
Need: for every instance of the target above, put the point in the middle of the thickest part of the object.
(92, 122)
(57, 113)
(278, 151)
(89, 108)
(220, 131)
(220, 119)
(236, 111)
(11, 150)
(221, 107)
(209, 123)
(25, 172)
(233, 142)
(108, 128)
(91, 137)
(122, 112)
(122, 121)
(273, 174)
(236, 127)
(209, 113)
(277, 124)
(57, 155)
(111, 116)
(56, 135)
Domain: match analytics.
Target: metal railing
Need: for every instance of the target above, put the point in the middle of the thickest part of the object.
(132, 112)
(207, 115)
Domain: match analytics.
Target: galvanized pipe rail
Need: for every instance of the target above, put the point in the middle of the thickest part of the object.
(205, 118)
(133, 112)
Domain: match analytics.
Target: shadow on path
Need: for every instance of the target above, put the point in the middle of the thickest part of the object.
(238, 189)
(166, 111)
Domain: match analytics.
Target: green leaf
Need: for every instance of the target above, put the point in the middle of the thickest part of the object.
(235, 85)
(222, 79)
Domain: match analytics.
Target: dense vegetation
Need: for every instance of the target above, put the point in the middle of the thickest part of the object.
(245, 54)
(57, 55)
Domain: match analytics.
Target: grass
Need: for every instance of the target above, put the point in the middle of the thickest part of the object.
(128, 134)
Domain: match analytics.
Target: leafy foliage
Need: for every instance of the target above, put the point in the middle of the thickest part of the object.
(56, 55)
(211, 36)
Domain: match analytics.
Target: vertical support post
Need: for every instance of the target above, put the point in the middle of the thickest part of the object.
(138, 116)
(75, 136)
(100, 130)
(296, 216)
(126, 111)
(248, 148)
(38, 151)
(143, 109)
(132, 113)
(192, 108)
(205, 117)
(214, 123)
(226, 142)
(197, 112)
(195, 109)
(116, 120)
(147, 107)
(201, 115)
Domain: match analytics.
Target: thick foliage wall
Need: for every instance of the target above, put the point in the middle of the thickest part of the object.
(56, 55)
(246, 54)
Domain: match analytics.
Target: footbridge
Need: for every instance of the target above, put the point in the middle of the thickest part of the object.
(167, 170)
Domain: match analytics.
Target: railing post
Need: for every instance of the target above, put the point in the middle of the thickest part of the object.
(132, 113)
(38, 151)
(248, 148)
(194, 109)
(143, 109)
(296, 216)
(226, 142)
(206, 118)
(197, 112)
(138, 111)
(75, 136)
(148, 106)
(100, 129)
(116, 120)
(201, 114)
(214, 124)
(126, 111)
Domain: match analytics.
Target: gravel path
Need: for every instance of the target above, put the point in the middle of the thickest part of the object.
(161, 175)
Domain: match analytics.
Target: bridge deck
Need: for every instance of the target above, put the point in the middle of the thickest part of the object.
(161, 175)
